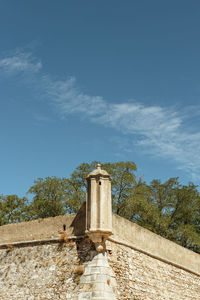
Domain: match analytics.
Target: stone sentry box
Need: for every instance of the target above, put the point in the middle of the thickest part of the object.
(99, 207)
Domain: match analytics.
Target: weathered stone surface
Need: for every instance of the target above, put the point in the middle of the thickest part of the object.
(141, 277)
(42, 271)
(99, 207)
(53, 259)
(146, 241)
(99, 278)
(136, 236)
(56, 271)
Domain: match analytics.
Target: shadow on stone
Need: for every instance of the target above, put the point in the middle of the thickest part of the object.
(85, 247)
(79, 221)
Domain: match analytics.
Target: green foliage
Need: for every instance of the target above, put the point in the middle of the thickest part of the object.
(49, 197)
(123, 182)
(13, 209)
(76, 193)
(170, 209)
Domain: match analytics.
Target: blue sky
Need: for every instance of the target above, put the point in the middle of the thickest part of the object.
(98, 80)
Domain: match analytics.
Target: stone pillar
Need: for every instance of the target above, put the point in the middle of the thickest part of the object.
(99, 207)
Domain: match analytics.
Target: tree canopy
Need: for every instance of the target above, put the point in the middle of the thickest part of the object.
(169, 209)
(13, 209)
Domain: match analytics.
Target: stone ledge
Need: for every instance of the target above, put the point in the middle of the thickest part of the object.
(150, 243)
(130, 245)
(36, 242)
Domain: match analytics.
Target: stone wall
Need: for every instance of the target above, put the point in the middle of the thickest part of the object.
(54, 270)
(40, 260)
(141, 277)
(42, 271)
(147, 242)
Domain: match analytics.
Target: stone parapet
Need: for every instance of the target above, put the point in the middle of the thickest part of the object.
(145, 241)
(124, 232)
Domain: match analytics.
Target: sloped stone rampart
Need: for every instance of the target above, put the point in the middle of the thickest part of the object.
(41, 272)
(136, 236)
(41, 229)
(56, 271)
(145, 266)
(142, 277)
(37, 272)
(146, 241)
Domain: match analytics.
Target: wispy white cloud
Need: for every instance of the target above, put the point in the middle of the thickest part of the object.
(70, 100)
(157, 130)
(20, 62)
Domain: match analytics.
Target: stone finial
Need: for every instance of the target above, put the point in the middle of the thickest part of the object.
(99, 166)
(98, 171)
(99, 207)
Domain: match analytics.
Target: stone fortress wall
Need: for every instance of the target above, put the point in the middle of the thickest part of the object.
(94, 255)
(41, 260)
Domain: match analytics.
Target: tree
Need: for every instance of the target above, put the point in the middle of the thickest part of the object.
(57, 196)
(49, 197)
(169, 209)
(123, 183)
(77, 185)
(13, 209)
(123, 180)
